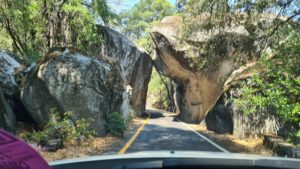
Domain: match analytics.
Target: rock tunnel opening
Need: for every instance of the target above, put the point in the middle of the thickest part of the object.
(160, 94)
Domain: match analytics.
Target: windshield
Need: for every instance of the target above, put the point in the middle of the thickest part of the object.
(83, 78)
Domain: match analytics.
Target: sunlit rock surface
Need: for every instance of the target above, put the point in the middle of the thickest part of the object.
(200, 61)
(208, 66)
(69, 80)
(135, 64)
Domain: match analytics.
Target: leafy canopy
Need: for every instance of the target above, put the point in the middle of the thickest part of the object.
(31, 27)
(137, 21)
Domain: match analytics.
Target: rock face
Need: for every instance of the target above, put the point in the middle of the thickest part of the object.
(69, 80)
(219, 119)
(7, 69)
(135, 63)
(8, 87)
(227, 117)
(7, 116)
(201, 64)
(280, 147)
(230, 119)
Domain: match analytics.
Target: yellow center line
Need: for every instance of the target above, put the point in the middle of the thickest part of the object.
(128, 144)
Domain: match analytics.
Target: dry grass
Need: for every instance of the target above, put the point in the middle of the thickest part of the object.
(233, 144)
(95, 146)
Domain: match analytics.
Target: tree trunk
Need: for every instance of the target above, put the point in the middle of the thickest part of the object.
(55, 20)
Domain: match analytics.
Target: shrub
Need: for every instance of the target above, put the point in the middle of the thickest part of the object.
(131, 117)
(277, 88)
(116, 124)
(61, 127)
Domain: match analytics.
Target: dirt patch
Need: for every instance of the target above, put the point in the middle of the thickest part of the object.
(233, 144)
(95, 146)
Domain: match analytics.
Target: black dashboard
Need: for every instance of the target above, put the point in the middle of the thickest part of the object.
(176, 163)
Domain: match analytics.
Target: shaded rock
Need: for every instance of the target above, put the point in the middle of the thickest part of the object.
(8, 88)
(53, 145)
(69, 80)
(219, 119)
(8, 65)
(22, 115)
(227, 117)
(10, 73)
(280, 147)
(271, 141)
(7, 116)
(135, 64)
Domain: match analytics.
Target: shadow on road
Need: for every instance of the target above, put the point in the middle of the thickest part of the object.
(155, 114)
(177, 118)
(157, 137)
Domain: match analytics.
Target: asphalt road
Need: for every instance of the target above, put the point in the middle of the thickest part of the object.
(164, 132)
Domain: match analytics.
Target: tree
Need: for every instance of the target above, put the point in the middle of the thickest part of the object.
(36, 25)
(224, 12)
(100, 8)
(5, 41)
(142, 16)
(15, 19)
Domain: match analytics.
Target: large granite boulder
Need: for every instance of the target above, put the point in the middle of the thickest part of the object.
(8, 88)
(7, 116)
(135, 64)
(200, 61)
(8, 67)
(69, 80)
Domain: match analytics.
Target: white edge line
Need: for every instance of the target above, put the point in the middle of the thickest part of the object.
(202, 136)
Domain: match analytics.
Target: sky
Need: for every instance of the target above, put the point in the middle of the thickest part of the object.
(121, 5)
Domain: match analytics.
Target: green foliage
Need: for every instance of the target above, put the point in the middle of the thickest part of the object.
(5, 40)
(116, 124)
(221, 13)
(83, 32)
(142, 16)
(277, 88)
(131, 117)
(216, 10)
(32, 26)
(38, 137)
(62, 127)
(158, 92)
(101, 8)
(252, 100)
(215, 15)
(16, 19)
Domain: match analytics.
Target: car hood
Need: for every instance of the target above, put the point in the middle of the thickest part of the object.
(217, 157)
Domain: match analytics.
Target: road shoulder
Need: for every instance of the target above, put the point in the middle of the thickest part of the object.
(232, 144)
